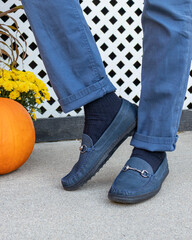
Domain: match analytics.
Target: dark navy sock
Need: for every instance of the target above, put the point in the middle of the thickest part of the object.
(153, 158)
(99, 114)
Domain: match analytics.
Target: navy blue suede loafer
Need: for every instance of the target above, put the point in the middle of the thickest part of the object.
(93, 157)
(136, 182)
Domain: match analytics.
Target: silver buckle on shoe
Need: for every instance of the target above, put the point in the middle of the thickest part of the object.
(83, 147)
(143, 173)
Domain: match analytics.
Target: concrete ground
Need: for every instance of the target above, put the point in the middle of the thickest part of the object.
(34, 206)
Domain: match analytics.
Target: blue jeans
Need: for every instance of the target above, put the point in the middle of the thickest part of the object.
(77, 73)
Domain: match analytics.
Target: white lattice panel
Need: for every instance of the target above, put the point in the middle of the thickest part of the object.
(116, 27)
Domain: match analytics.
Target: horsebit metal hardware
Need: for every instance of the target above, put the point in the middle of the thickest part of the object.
(83, 147)
(143, 173)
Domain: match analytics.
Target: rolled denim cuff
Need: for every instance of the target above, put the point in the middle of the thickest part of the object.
(87, 95)
(152, 143)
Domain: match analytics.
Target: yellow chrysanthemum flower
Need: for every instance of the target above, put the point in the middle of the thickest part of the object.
(37, 95)
(1, 81)
(38, 101)
(8, 85)
(23, 85)
(47, 95)
(30, 76)
(14, 94)
(34, 116)
(6, 75)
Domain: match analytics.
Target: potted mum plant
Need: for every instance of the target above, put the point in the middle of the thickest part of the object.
(21, 86)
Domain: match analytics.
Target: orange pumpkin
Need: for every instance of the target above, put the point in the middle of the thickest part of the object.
(17, 135)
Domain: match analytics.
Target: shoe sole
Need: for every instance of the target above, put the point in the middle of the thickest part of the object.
(104, 159)
(137, 199)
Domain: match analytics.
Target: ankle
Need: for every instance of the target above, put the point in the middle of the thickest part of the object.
(153, 158)
(99, 114)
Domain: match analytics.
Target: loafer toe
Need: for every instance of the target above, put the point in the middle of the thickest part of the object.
(136, 182)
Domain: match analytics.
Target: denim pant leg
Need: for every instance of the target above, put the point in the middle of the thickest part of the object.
(68, 51)
(167, 27)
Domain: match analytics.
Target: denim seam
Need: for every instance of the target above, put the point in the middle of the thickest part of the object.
(182, 86)
(84, 35)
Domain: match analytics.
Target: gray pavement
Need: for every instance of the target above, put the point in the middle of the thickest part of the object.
(34, 206)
